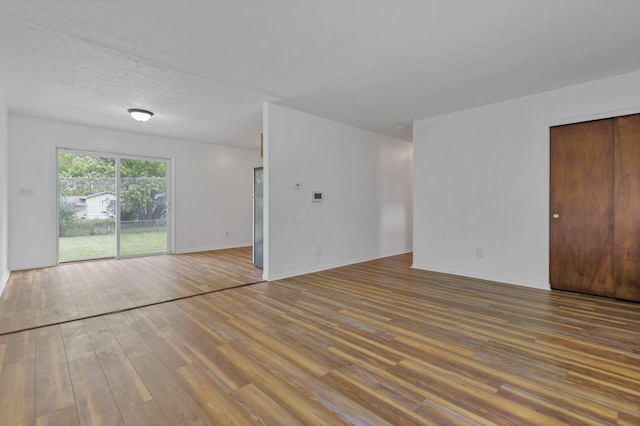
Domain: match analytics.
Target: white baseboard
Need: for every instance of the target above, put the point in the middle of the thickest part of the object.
(487, 277)
(325, 267)
(209, 248)
(34, 266)
(4, 280)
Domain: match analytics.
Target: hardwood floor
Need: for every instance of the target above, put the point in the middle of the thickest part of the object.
(38, 297)
(373, 343)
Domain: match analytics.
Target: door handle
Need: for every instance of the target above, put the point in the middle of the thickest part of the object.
(556, 215)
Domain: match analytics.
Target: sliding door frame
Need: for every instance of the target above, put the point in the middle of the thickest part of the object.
(169, 184)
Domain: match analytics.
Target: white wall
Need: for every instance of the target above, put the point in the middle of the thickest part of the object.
(482, 180)
(4, 194)
(212, 191)
(366, 179)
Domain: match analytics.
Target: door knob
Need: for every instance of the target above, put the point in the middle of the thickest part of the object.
(556, 215)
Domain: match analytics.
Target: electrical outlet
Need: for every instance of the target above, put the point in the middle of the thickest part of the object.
(226, 234)
(26, 192)
(318, 250)
(479, 253)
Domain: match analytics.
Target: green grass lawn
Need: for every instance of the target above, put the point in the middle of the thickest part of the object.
(97, 246)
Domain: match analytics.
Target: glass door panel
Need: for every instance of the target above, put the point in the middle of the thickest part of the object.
(258, 215)
(143, 207)
(86, 207)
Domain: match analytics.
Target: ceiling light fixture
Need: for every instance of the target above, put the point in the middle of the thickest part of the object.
(140, 114)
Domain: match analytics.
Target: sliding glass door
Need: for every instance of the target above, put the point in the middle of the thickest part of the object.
(111, 206)
(143, 207)
(86, 207)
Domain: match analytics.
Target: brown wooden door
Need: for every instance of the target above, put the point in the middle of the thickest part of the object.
(627, 208)
(581, 222)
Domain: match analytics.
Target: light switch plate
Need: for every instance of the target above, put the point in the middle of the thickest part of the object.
(26, 192)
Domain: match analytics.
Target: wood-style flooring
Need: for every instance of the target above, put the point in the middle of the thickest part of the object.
(375, 343)
(38, 297)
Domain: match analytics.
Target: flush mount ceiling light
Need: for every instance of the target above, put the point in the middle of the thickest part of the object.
(140, 114)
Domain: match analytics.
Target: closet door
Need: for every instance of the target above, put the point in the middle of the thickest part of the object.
(627, 207)
(581, 222)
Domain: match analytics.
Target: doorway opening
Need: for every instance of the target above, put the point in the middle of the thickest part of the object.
(111, 206)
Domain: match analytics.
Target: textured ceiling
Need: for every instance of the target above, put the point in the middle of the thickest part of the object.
(205, 67)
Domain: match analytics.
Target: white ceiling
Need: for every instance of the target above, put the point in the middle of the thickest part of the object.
(205, 67)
